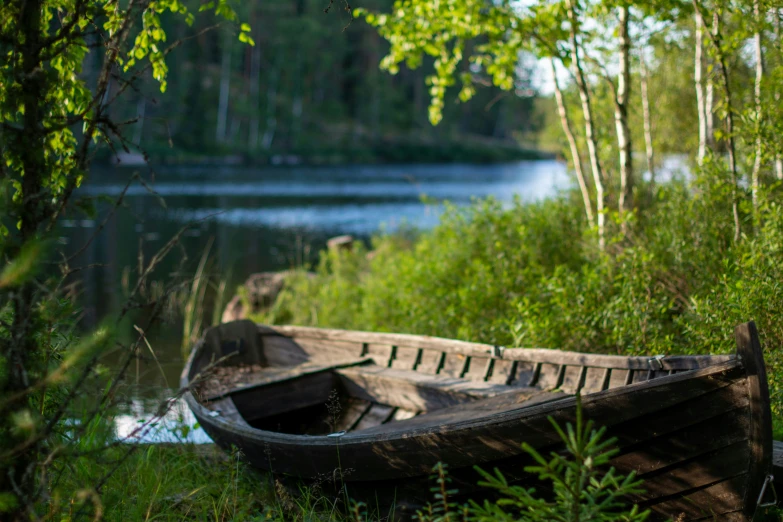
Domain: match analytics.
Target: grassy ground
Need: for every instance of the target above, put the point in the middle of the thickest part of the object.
(185, 482)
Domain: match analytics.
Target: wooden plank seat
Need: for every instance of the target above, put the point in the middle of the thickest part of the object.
(412, 390)
(214, 389)
(512, 399)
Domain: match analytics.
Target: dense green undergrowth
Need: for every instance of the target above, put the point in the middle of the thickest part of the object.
(531, 275)
(187, 482)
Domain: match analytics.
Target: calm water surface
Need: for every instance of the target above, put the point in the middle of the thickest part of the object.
(259, 220)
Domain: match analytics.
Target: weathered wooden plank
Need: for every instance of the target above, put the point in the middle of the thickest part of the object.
(405, 358)
(417, 341)
(282, 351)
(223, 383)
(717, 501)
(325, 349)
(454, 365)
(613, 361)
(731, 516)
(572, 379)
(285, 395)
(380, 353)
(375, 416)
(749, 352)
(413, 390)
(240, 337)
(352, 412)
(514, 354)
(549, 376)
(619, 378)
(430, 362)
(525, 373)
(518, 398)
(689, 442)
(641, 376)
(502, 371)
(594, 380)
(477, 368)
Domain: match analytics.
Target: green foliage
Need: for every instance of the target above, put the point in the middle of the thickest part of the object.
(51, 114)
(583, 489)
(442, 30)
(162, 482)
(530, 275)
(583, 486)
(443, 509)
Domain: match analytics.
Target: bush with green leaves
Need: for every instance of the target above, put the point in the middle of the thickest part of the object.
(532, 275)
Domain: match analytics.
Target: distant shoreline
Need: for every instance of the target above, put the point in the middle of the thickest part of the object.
(379, 153)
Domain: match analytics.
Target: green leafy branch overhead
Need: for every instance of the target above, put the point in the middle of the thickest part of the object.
(442, 31)
(70, 106)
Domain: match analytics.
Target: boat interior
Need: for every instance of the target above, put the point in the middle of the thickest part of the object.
(309, 381)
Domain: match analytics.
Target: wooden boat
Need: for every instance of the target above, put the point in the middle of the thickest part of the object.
(374, 412)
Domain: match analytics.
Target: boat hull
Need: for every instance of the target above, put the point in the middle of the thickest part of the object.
(698, 439)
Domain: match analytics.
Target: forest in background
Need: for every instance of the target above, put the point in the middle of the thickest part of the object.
(310, 91)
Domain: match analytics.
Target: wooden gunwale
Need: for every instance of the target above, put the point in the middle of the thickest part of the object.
(535, 355)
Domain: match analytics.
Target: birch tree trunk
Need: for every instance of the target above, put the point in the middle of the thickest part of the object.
(778, 156)
(621, 115)
(709, 102)
(592, 146)
(724, 73)
(698, 80)
(648, 142)
(225, 79)
(575, 156)
(757, 98)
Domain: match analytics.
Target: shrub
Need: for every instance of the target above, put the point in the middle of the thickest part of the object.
(530, 275)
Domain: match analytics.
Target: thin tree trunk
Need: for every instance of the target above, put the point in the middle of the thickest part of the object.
(575, 156)
(621, 115)
(717, 44)
(592, 146)
(648, 142)
(297, 103)
(225, 79)
(18, 471)
(141, 106)
(271, 108)
(709, 102)
(778, 156)
(255, 81)
(698, 80)
(757, 97)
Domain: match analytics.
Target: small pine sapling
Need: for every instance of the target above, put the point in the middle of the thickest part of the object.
(444, 509)
(582, 488)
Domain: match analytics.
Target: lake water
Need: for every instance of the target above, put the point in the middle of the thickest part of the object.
(258, 219)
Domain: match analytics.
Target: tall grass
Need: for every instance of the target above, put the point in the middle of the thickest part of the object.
(204, 301)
